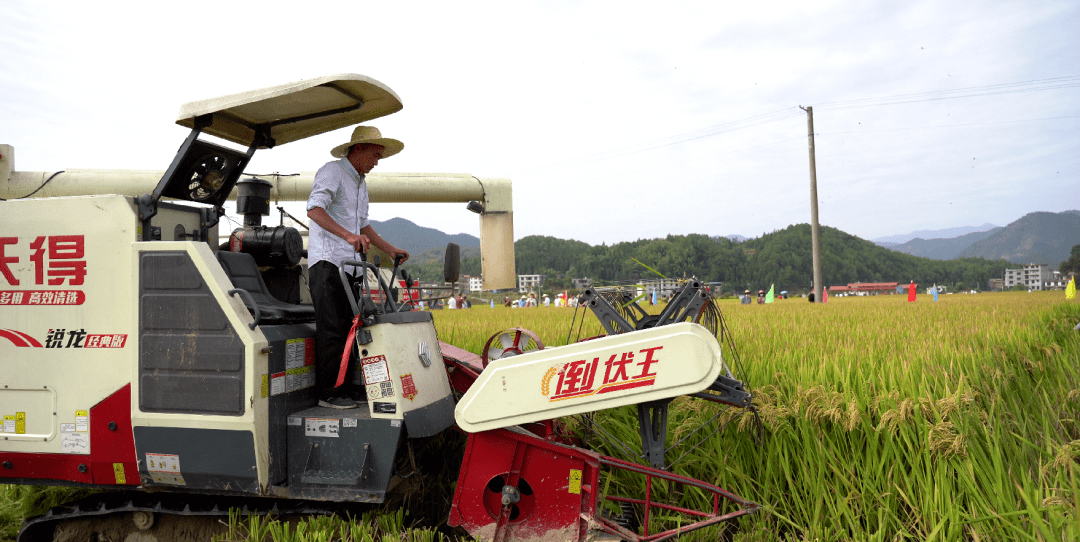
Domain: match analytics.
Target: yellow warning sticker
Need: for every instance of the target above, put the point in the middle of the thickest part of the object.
(265, 386)
(118, 468)
(20, 423)
(575, 482)
(82, 421)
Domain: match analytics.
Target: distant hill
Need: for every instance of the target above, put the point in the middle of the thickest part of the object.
(406, 235)
(946, 233)
(941, 249)
(782, 258)
(1034, 238)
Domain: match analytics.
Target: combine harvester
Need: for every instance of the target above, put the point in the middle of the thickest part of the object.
(137, 354)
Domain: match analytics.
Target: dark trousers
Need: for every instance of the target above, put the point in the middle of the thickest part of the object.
(333, 318)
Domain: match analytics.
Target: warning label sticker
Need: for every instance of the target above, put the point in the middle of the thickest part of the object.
(296, 353)
(277, 383)
(164, 468)
(575, 482)
(75, 443)
(321, 427)
(375, 370)
(298, 379)
(82, 421)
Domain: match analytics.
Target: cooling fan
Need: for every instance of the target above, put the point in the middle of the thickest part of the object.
(203, 172)
(207, 176)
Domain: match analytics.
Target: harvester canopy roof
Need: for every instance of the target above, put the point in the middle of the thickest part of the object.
(294, 111)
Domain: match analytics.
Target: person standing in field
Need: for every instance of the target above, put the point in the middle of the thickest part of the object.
(338, 209)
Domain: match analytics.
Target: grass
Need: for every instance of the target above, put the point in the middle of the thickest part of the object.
(883, 419)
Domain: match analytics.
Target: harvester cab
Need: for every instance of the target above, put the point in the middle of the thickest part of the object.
(139, 353)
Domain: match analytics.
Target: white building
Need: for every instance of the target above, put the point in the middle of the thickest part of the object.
(1032, 276)
(529, 283)
(663, 287)
(1013, 277)
(476, 284)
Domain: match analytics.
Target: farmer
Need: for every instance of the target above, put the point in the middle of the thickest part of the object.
(338, 209)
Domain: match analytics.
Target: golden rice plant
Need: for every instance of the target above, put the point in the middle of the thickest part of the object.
(883, 419)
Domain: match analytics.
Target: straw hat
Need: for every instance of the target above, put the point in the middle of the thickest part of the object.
(369, 134)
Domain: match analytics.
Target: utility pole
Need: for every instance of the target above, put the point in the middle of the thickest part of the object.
(815, 239)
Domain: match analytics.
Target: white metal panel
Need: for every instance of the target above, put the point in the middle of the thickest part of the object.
(63, 292)
(618, 370)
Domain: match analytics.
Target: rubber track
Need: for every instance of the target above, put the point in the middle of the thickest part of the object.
(41, 528)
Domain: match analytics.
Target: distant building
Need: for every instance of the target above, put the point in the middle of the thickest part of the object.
(1013, 277)
(663, 287)
(581, 284)
(529, 283)
(903, 288)
(1056, 282)
(476, 284)
(868, 288)
(997, 285)
(1032, 276)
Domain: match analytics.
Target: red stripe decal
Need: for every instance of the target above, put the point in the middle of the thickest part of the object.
(33, 342)
(11, 336)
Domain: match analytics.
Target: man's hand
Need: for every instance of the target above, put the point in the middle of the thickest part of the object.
(398, 252)
(360, 243)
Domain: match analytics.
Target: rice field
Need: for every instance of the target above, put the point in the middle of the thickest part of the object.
(879, 419)
(882, 419)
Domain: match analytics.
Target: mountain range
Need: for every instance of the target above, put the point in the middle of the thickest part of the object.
(946, 233)
(406, 235)
(1038, 237)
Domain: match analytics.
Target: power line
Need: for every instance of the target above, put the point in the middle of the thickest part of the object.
(947, 125)
(1035, 85)
(1055, 83)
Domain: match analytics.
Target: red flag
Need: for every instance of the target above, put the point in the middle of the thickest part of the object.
(911, 292)
(825, 294)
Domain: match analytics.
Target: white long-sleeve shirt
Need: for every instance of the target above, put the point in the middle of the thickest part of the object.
(342, 192)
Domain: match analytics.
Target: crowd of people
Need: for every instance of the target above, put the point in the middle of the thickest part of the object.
(460, 301)
(561, 300)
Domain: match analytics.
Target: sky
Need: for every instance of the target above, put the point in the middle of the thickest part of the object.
(615, 121)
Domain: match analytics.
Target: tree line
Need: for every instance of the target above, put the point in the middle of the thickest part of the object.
(782, 258)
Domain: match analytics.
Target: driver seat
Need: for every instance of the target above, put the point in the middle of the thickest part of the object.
(244, 273)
